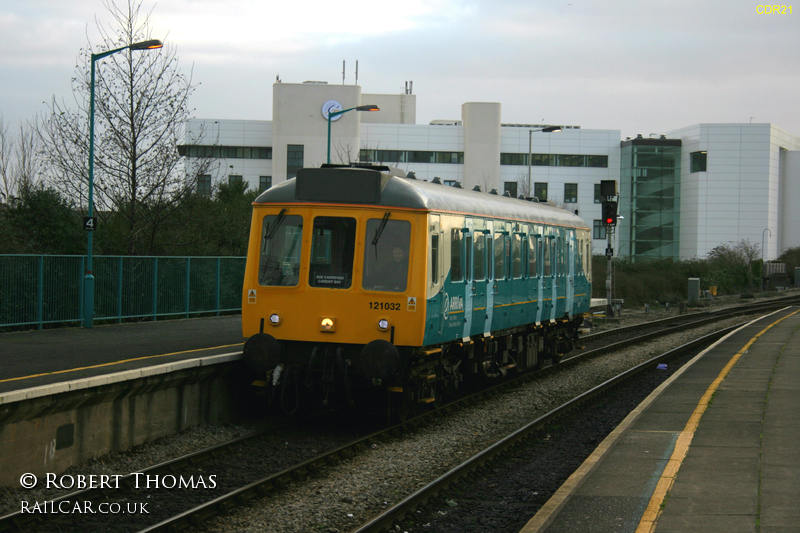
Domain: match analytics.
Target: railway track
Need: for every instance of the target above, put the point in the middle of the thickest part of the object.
(445, 486)
(188, 511)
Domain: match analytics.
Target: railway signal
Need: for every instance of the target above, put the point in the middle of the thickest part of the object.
(610, 213)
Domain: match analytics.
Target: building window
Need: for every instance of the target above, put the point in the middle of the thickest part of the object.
(204, 184)
(510, 187)
(264, 183)
(597, 161)
(417, 156)
(697, 161)
(540, 191)
(234, 180)
(229, 152)
(598, 229)
(543, 160)
(570, 193)
(420, 156)
(513, 159)
(567, 160)
(554, 160)
(294, 159)
(598, 198)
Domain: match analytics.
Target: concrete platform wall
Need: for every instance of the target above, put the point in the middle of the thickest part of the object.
(50, 433)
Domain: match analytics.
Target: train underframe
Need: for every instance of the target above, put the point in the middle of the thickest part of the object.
(297, 376)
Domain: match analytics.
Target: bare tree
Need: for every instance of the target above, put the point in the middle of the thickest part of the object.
(141, 103)
(7, 178)
(20, 161)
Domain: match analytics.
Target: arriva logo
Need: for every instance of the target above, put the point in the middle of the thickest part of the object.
(452, 304)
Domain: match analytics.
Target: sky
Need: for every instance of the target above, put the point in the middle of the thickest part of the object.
(640, 66)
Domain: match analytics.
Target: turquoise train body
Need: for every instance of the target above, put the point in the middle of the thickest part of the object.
(408, 285)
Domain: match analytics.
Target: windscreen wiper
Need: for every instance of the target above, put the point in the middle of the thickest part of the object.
(379, 231)
(278, 221)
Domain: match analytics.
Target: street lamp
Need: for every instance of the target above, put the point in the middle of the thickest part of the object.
(331, 114)
(89, 223)
(546, 129)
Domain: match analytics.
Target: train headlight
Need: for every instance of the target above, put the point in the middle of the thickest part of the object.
(327, 325)
(275, 319)
(383, 324)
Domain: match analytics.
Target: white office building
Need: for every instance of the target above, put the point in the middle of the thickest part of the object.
(749, 185)
(739, 182)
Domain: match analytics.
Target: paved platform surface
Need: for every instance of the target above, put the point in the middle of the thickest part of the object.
(34, 358)
(715, 449)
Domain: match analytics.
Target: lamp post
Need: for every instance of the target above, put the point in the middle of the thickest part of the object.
(546, 129)
(331, 114)
(89, 223)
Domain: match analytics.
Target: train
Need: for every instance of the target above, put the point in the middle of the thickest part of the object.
(361, 279)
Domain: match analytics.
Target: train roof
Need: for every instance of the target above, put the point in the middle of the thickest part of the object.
(377, 186)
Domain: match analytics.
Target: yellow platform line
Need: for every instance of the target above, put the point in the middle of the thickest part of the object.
(649, 519)
(112, 363)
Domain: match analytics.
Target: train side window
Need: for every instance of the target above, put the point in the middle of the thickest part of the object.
(499, 256)
(281, 244)
(479, 257)
(532, 251)
(456, 270)
(516, 256)
(546, 259)
(468, 257)
(558, 256)
(434, 258)
(387, 244)
(589, 261)
(332, 245)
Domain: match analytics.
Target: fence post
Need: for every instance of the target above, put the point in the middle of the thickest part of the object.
(82, 281)
(188, 282)
(119, 290)
(219, 283)
(40, 294)
(155, 288)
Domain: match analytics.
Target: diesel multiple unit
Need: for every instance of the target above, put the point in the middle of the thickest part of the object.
(357, 279)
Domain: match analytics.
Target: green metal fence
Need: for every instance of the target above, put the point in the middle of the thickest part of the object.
(44, 289)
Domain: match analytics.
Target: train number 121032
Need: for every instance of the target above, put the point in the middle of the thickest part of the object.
(384, 306)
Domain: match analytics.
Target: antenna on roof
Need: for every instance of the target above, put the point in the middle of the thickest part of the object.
(356, 71)
(342, 71)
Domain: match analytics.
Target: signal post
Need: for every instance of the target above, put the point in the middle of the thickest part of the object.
(608, 192)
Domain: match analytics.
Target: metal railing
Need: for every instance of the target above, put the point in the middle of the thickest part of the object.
(47, 289)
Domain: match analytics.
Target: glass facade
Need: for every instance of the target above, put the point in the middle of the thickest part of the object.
(649, 199)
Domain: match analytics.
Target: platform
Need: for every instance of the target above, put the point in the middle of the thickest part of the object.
(715, 448)
(35, 358)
